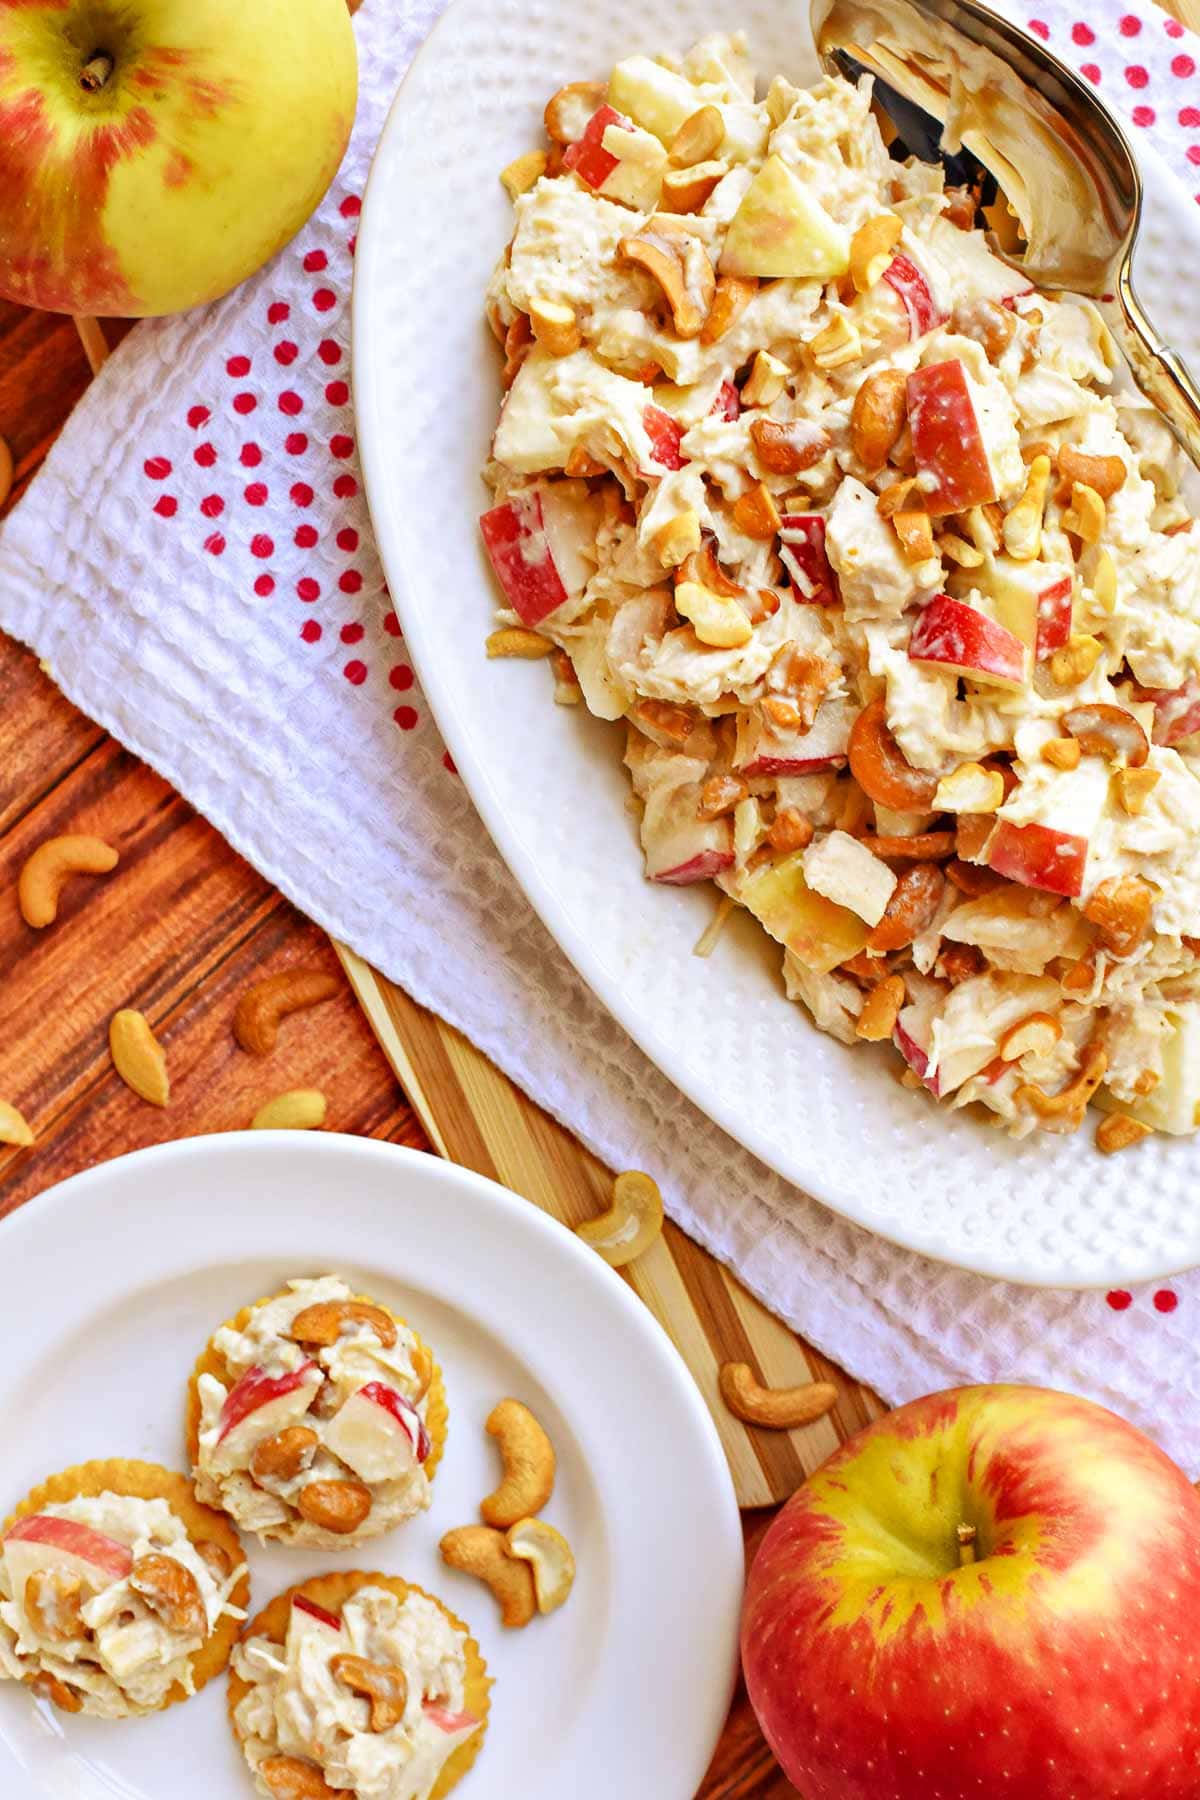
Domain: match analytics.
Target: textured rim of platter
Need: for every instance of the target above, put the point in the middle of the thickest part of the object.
(117, 1277)
(548, 784)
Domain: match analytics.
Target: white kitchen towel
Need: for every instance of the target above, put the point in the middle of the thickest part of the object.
(195, 566)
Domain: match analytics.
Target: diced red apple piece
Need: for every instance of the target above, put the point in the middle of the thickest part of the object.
(45, 1541)
(303, 1604)
(378, 1433)
(447, 1721)
(538, 544)
(1039, 857)
(666, 435)
(588, 157)
(959, 638)
(765, 748)
(260, 1405)
(1033, 600)
(818, 932)
(907, 281)
(803, 539)
(728, 403)
(1176, 712)
(947, 443)
(912, 1038)
(701, 868)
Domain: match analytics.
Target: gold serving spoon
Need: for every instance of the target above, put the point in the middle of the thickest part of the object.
(1060, 159)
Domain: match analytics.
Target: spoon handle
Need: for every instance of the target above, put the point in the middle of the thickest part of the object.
(1160, 371)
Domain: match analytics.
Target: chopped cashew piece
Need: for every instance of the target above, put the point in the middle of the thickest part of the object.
(777, 1409)
(838, 343)
(970, 789)
(1062, 753)
(1118, 1132)
(632, 1223)
(1134, 788)
(756, 513)
(1022, 528)
(871, 249)
(524, 172)
(529, 1465)
(766, 381)
(686, 190)
(1074, 664)
(881, 1009)
(698, 138)
(717, 619)
(299, 1109)
(678, 539)
(515, 641)
(1086, 514)
(549, 1556)
(555, 327)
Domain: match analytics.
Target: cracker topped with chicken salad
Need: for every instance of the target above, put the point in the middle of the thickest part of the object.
(883, 565)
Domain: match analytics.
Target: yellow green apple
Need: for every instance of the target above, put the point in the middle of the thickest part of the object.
(154, 153)
(818, 932)
(782, 229)
(990, 1594)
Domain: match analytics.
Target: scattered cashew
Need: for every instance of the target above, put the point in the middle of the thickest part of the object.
(14, 1127)
(1119, 1131)
(172, 1593)
(284, 1456)
(632, 1222)
(523, 173)
(549, 1556)
(480, 1551)
(289, 1778)
(778, 1409)
(138, 1057)
(338, 1506)
(384, 1685)
(555, 326)
(299, 1109)
(260, 1009)
(52, 1601)
(324, 1323)
(568, 111)
(529, 1465)
(46, 872)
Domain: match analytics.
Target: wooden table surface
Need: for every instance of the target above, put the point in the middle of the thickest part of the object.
(185, 930)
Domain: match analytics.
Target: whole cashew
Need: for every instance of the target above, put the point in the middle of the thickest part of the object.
(384, 1685)
(778, 1409)
(477, 1550)
(549, 1556)
(290, 1778)
(632, 1222)
(529, 1465)
(260, 1009)
(46, 872)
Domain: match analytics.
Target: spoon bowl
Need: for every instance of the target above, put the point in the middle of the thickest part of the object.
(1061, 160)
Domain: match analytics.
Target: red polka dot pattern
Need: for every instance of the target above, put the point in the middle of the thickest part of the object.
(1136, 76)
(1082, 35)
(278, 312)
(355, 672)
(1040, 27)
(310, 631)
(1130, 25)
(257, 494)
(1119, 1300)
(406, 717)
(237, 366)
(250, 456)
(1184, 67)
(264, 586)
(1166, 1300)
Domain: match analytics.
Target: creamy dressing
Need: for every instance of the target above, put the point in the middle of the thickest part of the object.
(835, 603)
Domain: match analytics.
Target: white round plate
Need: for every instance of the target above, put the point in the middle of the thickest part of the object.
(117, 1278)
(548, 780)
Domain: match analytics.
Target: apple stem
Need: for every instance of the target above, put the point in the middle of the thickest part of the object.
(966, 1545)
(96, 72)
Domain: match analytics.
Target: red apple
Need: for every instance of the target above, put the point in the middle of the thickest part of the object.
(1176, 712)
(728, 403)
(448, 1721)
(1039, 857)
(911, 1038)
(764, 748)
(951, 635)
(154, 153)
(303, 1604)
(538, 544)
(990, 1594)
(378, 1433)
(802, 536)
(256, 1389)
(45, 1540)
(588, 157)
(1054, 609)
(666, 435)
(923, 311)
(701, 867)
(946, 439)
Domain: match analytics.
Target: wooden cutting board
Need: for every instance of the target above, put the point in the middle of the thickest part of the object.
(475, 1116)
